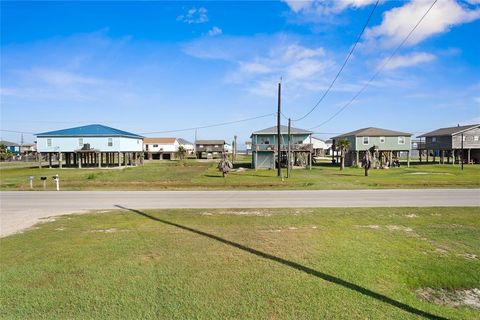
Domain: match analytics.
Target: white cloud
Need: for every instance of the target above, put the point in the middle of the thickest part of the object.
(325, 7)
(298, 5)
(215, 31)
(398, 22)
(255, 68)
(61, 78)
(408, 60)
(194, 15)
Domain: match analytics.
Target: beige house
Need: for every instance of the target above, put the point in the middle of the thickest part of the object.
(160, 148)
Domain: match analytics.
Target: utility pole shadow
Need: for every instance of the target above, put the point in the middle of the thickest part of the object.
(297, 266)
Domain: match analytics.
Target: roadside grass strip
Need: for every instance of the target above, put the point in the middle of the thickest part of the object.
(356, 263)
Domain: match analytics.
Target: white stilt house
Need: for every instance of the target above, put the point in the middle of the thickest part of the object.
(93, 145)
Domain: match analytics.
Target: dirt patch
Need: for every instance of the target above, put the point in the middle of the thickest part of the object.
(370, 226)
(422, 173)
(468, 256)
(111, 230)
(399, 228)
(263, 213)
(413, 215)
(451, 298)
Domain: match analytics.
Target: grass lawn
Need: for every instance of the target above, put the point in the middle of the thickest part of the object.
(161, 175)
(278, 264)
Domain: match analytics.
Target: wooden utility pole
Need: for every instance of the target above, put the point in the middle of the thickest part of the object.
(289, 164)
(235, 148)
(462, 152)
(195, 145)
(279, 169)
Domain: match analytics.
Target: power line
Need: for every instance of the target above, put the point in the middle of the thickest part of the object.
(212, 125)
(13, 131)
(378, 70)
(343, 65)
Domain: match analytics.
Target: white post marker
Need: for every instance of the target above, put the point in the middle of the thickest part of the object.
(31, 181)
(57, 181)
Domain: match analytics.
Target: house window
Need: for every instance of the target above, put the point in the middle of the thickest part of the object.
(80, 142)
(110, 142)
(155, 145)
(434, 139)
(401, 140)
(475, 138)
(382, 139)
(366, 140)
(49, 142)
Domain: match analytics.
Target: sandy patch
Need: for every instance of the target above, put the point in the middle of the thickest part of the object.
(370, 226)
(423, 173)
(247, 213)
(468, 256)
(111, 230)
(413, 215)
(451, 298)
(399, 228)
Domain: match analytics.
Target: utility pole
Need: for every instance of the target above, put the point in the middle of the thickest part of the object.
(279, 169)
(195, 144)
(462, 152)
(235, 148)
(289, 164)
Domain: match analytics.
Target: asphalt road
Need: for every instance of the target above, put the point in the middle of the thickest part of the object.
(21, 210)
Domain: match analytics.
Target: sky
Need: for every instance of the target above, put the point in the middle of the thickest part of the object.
(151, 67)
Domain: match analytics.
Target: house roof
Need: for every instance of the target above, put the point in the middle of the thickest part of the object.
(313, 137)
(373, 132)
(210, 142)
(283, 130)
(183, 141)
(449, 131)
(9, 144)
(92, 130)
(159, 140)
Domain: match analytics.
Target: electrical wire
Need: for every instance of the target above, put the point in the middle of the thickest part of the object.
(212, 125)
(343, 65)
(13, 131)
(378, 70)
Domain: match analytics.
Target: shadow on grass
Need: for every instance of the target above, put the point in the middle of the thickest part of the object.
(296, 266)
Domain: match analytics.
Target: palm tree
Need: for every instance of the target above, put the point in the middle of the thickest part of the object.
(343, 144)
(182, 152)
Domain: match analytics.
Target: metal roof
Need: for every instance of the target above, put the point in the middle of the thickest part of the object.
(160, 140)
(210, 142)
(449, 131)
(183, 141)
(9, 144)
(283, 130)
(373, 132)
(92, 130)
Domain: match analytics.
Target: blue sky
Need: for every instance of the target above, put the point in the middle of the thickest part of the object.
(158, 66)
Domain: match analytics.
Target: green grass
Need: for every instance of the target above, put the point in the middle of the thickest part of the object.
(203, 264)
(161, 175)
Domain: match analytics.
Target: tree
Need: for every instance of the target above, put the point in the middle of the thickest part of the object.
(182, 152)
(367, 162)
(369, 158)
(4, 152)
(343, 144)
(224, 165)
